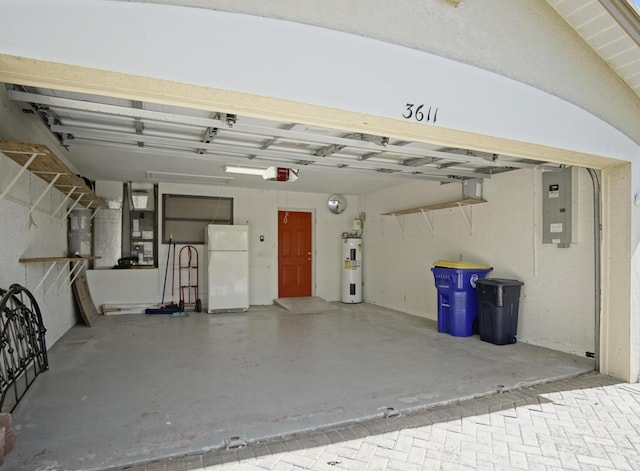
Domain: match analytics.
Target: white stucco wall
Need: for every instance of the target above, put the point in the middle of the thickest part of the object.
(557, 308)
(525, 40)
(258, 209)
(40, 235)
(45, 237)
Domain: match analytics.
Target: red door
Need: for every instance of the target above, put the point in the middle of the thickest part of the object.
(294, 254)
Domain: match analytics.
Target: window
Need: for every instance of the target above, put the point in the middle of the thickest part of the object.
(184, 218)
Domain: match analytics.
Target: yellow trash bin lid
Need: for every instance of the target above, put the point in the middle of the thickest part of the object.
(460, 265)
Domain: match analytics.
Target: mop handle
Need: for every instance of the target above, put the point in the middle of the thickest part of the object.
(166, 269)
(173, 271)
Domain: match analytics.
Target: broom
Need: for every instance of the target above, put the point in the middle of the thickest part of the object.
(171, 307)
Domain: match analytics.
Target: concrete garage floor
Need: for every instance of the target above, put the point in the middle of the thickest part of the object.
(137, 388)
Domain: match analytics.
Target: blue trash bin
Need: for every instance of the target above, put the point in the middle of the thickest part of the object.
(457, 298)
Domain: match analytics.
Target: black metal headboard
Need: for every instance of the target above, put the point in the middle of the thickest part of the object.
(23, 351)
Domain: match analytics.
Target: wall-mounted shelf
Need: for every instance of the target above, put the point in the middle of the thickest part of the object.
(39, 160)
(434, 207)
(77, 264)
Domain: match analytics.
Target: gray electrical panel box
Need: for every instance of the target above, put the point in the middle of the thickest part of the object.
(472, 188)
(558, 213)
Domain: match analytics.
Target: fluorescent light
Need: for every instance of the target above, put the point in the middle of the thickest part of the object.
(139, 199)
(187, 178)
(245, 170)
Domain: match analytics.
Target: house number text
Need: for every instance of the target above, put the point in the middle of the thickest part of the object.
(417, 112)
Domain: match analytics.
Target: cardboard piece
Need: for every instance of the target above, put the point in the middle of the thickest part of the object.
(87, 308)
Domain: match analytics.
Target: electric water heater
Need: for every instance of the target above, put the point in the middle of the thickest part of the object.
(352, 270)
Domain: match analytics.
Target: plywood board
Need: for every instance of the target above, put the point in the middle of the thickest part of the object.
(84, 301)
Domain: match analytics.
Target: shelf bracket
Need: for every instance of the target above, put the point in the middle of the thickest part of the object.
(75, 270)
(75, 203)
(94, 212)
(55, 282)
(431, 224)
(53, 264)
(467, 219)
(400, 225)
(19, 174)
(77, 264)
(53, 181)
(67, 196)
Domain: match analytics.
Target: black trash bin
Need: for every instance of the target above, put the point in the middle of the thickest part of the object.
(498, 302)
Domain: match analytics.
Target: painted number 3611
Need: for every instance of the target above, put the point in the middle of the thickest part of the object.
(417, 112)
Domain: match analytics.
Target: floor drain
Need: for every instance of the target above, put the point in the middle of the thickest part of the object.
(235, 443)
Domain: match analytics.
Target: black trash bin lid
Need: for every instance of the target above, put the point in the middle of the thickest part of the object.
(499, 282)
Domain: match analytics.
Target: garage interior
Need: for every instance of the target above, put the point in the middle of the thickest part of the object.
(200, 381)
(161, 387)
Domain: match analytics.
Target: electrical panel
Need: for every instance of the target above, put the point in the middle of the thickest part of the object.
(558, 207)
(472, 188)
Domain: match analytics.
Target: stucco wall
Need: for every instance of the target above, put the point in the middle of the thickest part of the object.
(557, 307)
(525, 40)
(35, 235)
(258, 209)
(38, 236)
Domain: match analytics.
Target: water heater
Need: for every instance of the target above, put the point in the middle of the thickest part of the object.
(352, 270)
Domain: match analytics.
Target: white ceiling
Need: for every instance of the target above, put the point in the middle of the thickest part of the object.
(612, 29)
(124, 140)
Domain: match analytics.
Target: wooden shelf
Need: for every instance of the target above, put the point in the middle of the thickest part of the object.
(55, 259)
(50, 168)
(434, 207)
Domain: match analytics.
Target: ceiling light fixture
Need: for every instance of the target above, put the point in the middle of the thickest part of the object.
(245, 170)
(139, 199)
(187, 178)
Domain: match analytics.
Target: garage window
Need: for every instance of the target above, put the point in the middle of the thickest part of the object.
(185, 217)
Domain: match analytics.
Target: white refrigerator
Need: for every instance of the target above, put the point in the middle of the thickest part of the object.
(228, 267)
